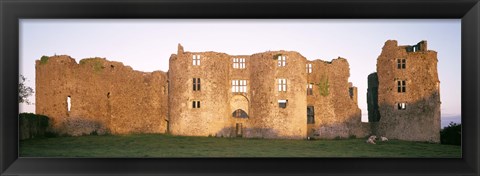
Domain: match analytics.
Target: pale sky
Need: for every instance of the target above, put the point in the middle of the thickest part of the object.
(146, 45)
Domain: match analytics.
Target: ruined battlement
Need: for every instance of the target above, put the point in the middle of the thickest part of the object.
(272, 94)
(103, 95)
(271, 88)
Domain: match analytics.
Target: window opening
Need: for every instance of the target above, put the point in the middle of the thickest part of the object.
(282, 61)
(310, 115)
(282, 85)
(309, 68)
(282, 103)
(310, 89)
(401, 87)
(195, 104)
(196, 84)
(401, 63)
(69, 104)
(239, 86)
(239, 63)
(196, 59)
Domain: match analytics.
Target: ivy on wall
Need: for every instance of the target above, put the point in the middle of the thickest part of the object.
(323, 86)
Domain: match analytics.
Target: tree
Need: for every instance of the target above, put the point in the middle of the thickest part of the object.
(24, 91)
(452, 134)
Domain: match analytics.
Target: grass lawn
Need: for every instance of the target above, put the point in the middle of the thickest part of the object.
(161, 145)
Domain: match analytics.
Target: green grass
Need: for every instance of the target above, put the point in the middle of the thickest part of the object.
(160, 145)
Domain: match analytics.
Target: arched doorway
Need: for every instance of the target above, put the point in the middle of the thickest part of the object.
(239, 117)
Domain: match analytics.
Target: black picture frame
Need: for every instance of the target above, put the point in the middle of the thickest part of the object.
(11, 11)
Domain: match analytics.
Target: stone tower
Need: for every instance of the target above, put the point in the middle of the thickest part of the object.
(372, 98)
(408, 92)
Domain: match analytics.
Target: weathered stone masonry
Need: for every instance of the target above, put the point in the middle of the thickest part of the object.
(335, 113)
(105, 96)
(274, 94)
(408, 93)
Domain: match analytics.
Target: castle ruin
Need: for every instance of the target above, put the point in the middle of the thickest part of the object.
(274, 94)
(404, 93)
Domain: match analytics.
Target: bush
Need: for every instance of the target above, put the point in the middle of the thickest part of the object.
(44, 59)
(50, 134)
(32, 125)
(94, 133)
(452, 134)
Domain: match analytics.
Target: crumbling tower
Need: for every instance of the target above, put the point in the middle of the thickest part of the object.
(372, 98)
(408, 92)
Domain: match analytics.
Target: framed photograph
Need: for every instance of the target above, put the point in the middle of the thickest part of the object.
(220, 87)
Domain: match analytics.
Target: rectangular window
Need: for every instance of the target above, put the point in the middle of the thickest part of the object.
(282, 61)
(239, 63)
(69, 104)
(196, 59)
(401, 87)
(282, 85)
(310, 115)
(235, 62)
(401, 63)
(282, 103)
(195, 104)
(310, 89)
(402, 106)
(196, 84)
(309, 68)
(239, 86)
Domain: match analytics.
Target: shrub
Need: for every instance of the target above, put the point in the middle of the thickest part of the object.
(32, 125)
(50, 134)
(44, 59)
(352, 136)
(94, 63)
(94, 133)
(452, 134)
(97, 66)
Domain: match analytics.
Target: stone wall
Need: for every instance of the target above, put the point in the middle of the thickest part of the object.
(372, 98)
(336, 112)
(106, 96)
(210, 118)
(268, 120)
(218, 101)
(420, 120)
